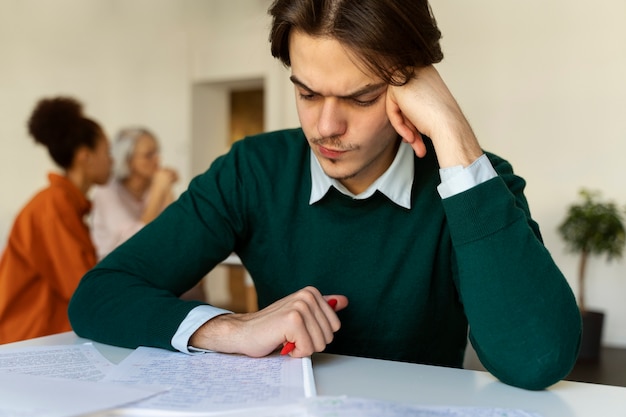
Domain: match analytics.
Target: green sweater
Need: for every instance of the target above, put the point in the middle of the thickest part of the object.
(414, 278)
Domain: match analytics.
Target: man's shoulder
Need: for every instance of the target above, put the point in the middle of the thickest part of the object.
(264, 154)
(288, 146)
(289, 138)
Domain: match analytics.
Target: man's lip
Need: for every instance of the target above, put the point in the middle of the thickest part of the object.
(331, 153)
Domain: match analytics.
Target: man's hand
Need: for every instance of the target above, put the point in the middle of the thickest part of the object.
(425, 106)
(304, 318)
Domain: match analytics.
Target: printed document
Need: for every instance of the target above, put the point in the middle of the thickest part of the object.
(212, 382)
(83, 362)
(56, 381)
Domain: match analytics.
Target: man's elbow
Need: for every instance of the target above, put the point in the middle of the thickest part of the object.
(79, 312)
(539, 376)
(541, 369)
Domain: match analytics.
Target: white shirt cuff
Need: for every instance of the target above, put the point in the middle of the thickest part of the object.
(455, 180)
(194, 320)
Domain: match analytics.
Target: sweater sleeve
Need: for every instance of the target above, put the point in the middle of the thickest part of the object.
(131, 297)
(524, 322)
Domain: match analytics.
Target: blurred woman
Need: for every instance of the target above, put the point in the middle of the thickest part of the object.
(49, 248)
(139, 190)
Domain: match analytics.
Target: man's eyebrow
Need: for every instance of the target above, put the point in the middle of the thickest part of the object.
(362, 91)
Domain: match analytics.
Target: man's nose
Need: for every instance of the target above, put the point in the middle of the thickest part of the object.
(332, 121)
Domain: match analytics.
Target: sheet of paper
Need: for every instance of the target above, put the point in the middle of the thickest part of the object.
(338, 407)
(215, 382)
(81, 362)
(291, 410)
(362, 407)
(30, 395)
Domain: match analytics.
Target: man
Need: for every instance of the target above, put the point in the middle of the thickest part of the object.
(384, 199)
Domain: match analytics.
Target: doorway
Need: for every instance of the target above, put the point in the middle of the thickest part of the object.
(223, 112)
(246, 118)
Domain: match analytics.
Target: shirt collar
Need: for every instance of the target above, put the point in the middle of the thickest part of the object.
(395, 183)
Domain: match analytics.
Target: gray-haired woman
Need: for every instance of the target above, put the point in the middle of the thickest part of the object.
(139, 190)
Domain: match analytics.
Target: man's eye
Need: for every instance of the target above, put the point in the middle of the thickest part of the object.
(365, 103)
(307, 96)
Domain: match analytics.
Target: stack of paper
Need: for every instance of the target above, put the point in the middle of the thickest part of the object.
(215, 381)
(60, 381)
(57, 381)
(75, 380)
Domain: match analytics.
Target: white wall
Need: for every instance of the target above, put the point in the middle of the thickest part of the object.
(543, 85)
(128, 61)
(541, 82)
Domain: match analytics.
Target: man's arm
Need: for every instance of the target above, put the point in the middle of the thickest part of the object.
(304, 318)
(523, 318)
(131, 297)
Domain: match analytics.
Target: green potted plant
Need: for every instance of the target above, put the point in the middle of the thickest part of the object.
(592, 227)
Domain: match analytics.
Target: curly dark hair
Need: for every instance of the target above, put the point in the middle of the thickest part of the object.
(392, 37)
(59, 124)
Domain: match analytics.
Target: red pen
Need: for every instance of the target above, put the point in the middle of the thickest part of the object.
(289, 346)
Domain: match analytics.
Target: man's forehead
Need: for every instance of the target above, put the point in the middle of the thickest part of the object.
(325, 66)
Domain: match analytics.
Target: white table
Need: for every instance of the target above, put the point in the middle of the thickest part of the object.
(424, 385)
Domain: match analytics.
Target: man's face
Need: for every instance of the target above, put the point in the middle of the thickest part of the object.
(342, 111)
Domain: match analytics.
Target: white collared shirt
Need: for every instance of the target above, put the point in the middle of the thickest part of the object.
(395, 183)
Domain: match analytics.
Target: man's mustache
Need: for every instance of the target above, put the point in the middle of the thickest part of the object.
(332, 142)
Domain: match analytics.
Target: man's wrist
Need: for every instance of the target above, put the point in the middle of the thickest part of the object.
(217, 334)
(456, 144)
(455, 180)
(195, 319)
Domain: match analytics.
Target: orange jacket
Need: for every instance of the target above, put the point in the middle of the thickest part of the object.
(48, 251)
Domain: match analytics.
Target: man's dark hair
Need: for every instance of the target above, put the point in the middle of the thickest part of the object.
(390, 37)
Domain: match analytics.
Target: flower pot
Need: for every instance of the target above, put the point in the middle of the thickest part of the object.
(591, 343)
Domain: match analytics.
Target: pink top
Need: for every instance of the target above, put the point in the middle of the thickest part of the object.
(116, 216)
